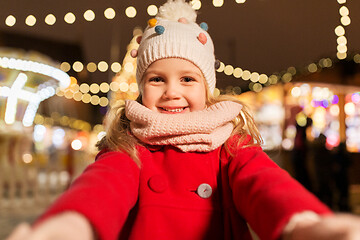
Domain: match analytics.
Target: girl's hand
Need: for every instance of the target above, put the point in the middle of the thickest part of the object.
(68, 225)
(336, 227)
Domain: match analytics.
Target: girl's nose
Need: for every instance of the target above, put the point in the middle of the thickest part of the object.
(172, 91)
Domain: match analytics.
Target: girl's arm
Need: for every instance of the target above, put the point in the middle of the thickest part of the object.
(100, 199)
(266, 195)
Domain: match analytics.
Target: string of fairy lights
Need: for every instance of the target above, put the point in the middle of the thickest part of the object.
(88, 92)
(340, 30)
(109, 13)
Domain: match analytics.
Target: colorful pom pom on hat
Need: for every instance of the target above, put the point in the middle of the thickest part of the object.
(175, 33)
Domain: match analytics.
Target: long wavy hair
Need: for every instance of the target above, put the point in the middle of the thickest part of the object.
(118, 137)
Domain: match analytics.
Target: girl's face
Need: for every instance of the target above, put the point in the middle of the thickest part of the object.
(173, 85)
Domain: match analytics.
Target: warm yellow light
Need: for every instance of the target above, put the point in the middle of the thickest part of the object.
(50, 19)
(341, 1)
(76, 144)
(124, 86)
(273, 79)
(78, 66)
(109, 13)
(228, 70)
(257, 87)
(130, 12)
(221, 68)
(95, 100)
(296, 92)
(334, 110)
(196, 4)
(84, 88)
(65, 66)
(69, 94)
(216, 92)
(104, 87)
(114, 86)
(59, 92)
(74, 87)
(129, 67)
(27, 158)
(116, 67)
(287, 77)
(103, 66)
(91, 67)
(246, 75)
(133, 87)
(301, 119)
(94, 88)
(73, 81)
(350, 108)
(254, 77)
(78, 96)
(345, 20)
(103, 101)
(238, 72)
(327, 62)
(342, 48)
(237, 90)
(312, 67)
(344, 11)
(69, 18)
(30, 20)
(292, 70)
(89, 15)
(341, 55)
(263, 78)
(240, 1)
(10, 20)
(339, 30)
(218, 3)
(152, 10)
(86, 98)
(342, 40)
(357, 58)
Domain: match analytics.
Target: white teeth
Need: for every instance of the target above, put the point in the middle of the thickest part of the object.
(173, 109)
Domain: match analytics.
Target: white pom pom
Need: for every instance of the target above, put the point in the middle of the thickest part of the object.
(175, 9)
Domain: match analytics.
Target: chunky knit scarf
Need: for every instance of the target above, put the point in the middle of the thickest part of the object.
(201, 131)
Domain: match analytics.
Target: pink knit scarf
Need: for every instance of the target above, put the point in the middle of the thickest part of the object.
(201, 131)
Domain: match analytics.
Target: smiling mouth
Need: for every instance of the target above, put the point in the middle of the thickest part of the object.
(172, 110)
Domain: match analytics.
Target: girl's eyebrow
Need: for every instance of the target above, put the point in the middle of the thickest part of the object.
(151, 72)
(184, 72)
(191, 73)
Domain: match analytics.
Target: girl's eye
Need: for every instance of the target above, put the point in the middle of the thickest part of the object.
(156, 79)
(188, 79)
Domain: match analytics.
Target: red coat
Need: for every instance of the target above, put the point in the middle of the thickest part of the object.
(163, 201)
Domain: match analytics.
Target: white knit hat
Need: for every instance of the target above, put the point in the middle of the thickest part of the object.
(174, 33)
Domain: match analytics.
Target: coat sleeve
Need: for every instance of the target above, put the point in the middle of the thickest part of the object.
(104, 193)
(266, 195)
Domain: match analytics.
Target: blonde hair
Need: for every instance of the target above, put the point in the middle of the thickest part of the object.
(119, 138)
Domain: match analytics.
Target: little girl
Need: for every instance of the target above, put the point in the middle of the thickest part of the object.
(179, 163)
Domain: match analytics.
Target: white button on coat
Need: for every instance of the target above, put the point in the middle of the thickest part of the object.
(204, 190)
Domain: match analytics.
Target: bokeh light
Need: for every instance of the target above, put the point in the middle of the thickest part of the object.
(130, 12)
(69, 18)
(109, 13)
(50, 19)
(10, 20)
(152, 10)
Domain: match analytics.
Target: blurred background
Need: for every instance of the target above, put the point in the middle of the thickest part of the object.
(296, 64)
